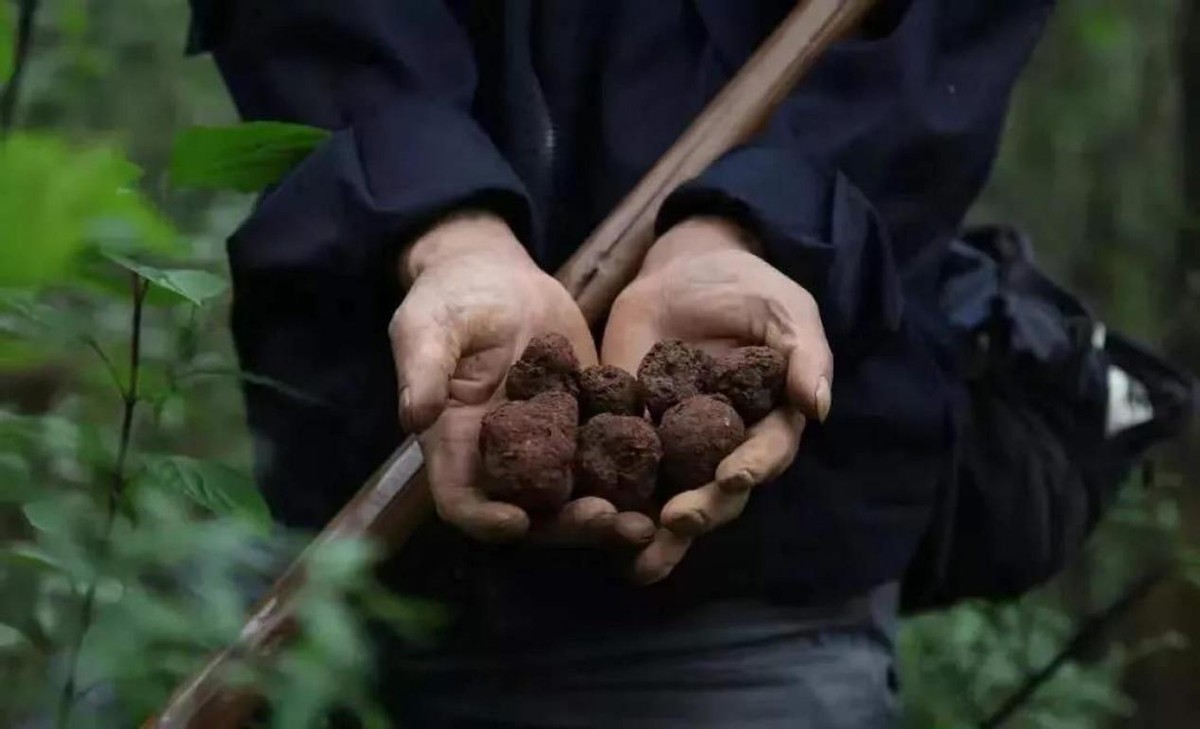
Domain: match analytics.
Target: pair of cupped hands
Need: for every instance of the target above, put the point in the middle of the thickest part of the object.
(475, 298)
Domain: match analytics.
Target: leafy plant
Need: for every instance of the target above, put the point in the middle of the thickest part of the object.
(6, 43)
(125, 561)
(961, 666)
(244, 157)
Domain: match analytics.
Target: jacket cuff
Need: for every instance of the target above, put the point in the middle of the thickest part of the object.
(816, 227)
(372, 186)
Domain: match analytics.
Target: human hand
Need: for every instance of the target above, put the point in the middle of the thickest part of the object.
(702, 282)
(474, 300)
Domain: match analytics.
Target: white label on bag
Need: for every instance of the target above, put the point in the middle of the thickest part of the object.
(1128, 402)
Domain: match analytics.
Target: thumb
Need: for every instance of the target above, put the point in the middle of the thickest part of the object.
(810, 361)
(426, 349)
(810, 377)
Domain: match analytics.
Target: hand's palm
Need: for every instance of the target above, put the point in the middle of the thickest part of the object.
(466, 326)
(718, 300)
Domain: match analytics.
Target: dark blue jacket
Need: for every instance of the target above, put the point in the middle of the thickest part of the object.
(547, 113)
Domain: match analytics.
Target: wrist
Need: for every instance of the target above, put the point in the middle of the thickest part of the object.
(696, 236)
(462, 235)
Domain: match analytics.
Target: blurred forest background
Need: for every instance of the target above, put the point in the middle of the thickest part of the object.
(1101, 165)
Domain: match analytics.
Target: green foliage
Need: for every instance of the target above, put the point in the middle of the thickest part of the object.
(1090, 160)
(244, 157)
(215, 487)
(55, 199)
(169, 553)
(197, 287)
(131, 542)
(959, 666)
(119, 578)
(6, 42)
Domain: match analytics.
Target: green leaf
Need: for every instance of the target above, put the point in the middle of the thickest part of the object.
(50, 516)
(7, 31)
(11, 639)
(332, 631)
(415, 620)
(243, 157)
(21, 354)
(29, 555)
(189, 284)
(213, 486)
(1167, 515)
(53, 197)
(16, 480)
(32, 318)
(338, 562)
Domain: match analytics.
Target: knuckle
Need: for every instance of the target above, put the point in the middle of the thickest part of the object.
(826, 357)
(445, 511)
(395, 328)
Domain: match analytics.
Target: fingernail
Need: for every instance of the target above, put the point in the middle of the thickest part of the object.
(646, 577)
(739, 481)
(645, 535)
(823, 398)
(509, 526)
(689, 523)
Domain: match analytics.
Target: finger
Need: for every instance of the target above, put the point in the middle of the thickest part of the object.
(478, 375)
(635, 333)
(701, 510)
(658, 560)
(452, 457)
(633, 529)
(769, 448)
(426, 354)
(580, 522)
(591, 521)
(810, 363)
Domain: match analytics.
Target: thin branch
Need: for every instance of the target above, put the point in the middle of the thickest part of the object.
(8, 99)
(1091, 629)
(116, 487)
(269, 383)
(140, 287)
(93, 345)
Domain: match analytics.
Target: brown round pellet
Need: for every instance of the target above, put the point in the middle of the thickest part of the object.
(752, 378)
(672, 372)
(548, 363)
(608, 389)
(696, 436)
(528, 451)
(617, 460)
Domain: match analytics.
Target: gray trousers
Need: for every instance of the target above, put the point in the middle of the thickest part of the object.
(742, 664)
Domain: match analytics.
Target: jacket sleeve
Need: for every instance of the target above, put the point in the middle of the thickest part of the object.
(876, 155)
(394, 82)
